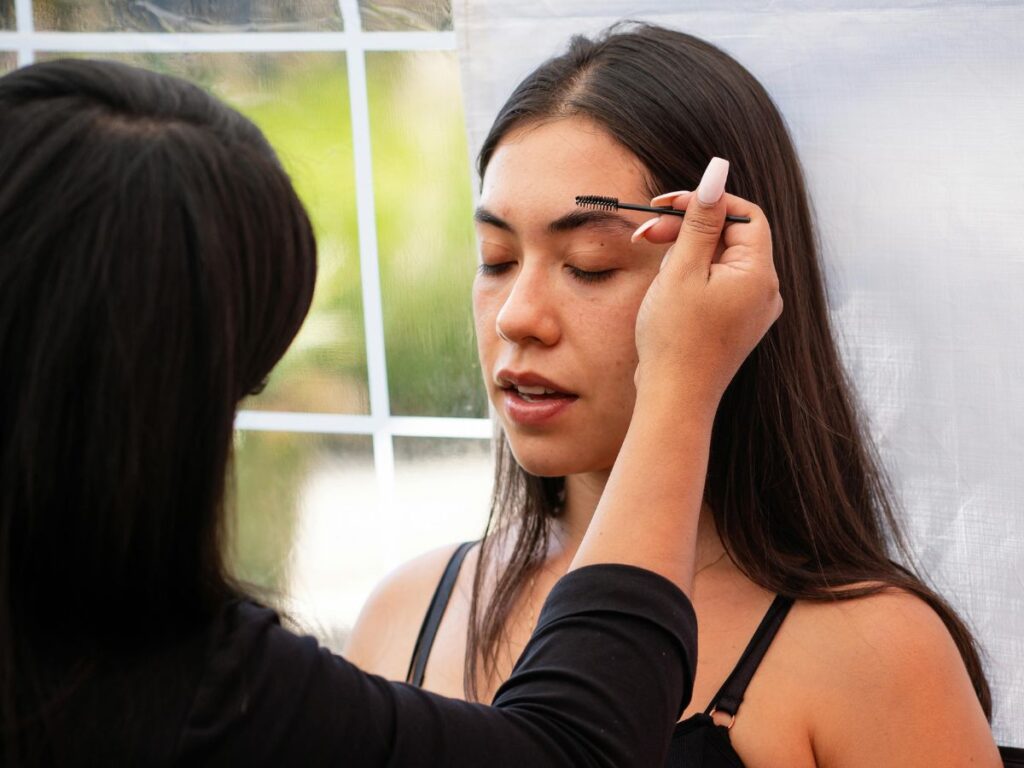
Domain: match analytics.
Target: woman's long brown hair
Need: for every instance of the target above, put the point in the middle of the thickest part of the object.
(798, 494)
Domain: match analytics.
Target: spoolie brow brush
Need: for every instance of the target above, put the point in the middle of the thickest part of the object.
(611, 203)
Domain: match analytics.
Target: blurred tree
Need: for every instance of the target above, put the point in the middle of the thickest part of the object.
(424, 202)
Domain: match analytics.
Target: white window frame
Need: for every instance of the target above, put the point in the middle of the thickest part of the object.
(355, 42)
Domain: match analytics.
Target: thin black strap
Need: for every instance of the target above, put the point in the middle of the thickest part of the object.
(1013, 757)
(438, 603)
(730, 695)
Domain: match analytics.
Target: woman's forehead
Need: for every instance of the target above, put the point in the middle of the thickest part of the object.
(544, 166)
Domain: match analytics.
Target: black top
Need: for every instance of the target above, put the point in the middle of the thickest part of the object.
(435, 612)
(610, 663)
(697, 742)
(1013, 757)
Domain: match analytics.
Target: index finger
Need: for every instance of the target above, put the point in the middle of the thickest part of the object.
(667, 228)
(754, 233)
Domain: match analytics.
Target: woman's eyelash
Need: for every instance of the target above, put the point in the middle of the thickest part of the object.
(591, 277)
(494, 269)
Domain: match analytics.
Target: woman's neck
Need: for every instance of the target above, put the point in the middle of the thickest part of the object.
(582, 493)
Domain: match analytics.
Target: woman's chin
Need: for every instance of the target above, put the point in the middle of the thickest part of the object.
(544, 471)
(536, 463)
(562, 452)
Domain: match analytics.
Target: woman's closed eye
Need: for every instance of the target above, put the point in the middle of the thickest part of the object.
(497, 268)
(491, 270)
(587, 276)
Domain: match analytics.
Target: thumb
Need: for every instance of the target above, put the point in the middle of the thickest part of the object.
(696, 245)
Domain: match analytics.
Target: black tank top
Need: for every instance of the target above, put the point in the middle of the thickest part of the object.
(697, 742)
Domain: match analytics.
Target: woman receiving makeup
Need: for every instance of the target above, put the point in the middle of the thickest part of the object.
(155, 263)
(816, 648)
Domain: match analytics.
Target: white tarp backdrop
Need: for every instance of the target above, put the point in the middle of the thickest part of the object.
(909, 119)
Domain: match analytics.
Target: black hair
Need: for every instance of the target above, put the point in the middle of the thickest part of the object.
(155, 263)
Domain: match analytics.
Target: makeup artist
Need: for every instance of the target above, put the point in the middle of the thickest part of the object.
(155, 264)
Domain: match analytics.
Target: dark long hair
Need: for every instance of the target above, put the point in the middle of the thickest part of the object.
(155, 263)
(799, 497)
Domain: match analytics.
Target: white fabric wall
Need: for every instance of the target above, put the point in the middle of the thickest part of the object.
(909, 118)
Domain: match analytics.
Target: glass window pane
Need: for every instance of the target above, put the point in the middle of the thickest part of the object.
(442, 489)
(6, 16)
(300, 100)
(311, 530)
(187, 16)
(8, 61)
(380, 15)
(307, 526)
(425, 233)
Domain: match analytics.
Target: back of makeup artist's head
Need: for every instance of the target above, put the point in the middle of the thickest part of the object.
(155, 264)
(797, 493)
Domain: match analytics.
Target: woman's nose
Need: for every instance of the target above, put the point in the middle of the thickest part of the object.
(528, 314)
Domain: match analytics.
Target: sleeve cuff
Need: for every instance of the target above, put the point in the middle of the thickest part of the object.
(627, 589)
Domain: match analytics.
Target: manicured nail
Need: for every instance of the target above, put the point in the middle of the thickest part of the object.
(667, 198)
(712, 185)
(642, 229)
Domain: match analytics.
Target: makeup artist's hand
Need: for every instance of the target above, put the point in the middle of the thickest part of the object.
(715, 297)
(713, 300)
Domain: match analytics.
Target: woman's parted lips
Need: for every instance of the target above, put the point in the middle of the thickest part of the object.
(529, 383)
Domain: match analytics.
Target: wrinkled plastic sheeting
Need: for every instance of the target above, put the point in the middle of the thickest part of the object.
(405, 15)
(189, 16)
(909, 119)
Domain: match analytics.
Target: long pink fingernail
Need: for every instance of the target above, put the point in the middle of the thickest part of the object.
(667, 198)
(712, 184)
(642, 229)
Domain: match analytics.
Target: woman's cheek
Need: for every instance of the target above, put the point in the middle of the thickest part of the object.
(483, 303)
(485, 311)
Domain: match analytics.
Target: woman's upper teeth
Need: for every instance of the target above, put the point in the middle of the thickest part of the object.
(534, 390)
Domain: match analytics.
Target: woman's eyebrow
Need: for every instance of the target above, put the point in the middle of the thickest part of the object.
(603, 219)
(483, 216)
(568, 222)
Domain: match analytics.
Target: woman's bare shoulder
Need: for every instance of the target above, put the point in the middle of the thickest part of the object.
(890, 630)
(384, 635)
(890, 685)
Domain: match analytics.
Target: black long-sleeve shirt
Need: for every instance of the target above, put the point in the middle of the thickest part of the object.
(601, 683)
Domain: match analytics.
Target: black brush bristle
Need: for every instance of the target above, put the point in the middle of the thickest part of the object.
(612, 203)
(597, 201)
